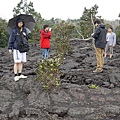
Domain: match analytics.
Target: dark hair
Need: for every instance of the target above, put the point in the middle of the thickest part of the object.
(97, 21)
(45, 26)
(20, 20)
(111, 28)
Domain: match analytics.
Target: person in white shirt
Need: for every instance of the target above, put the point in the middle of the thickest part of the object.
(111, 42)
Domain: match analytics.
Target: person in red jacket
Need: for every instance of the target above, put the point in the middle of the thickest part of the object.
(45, 36)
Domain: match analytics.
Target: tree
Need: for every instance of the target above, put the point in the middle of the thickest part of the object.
(117, 31)
(3, 33)
(39, 25)
(62, 35)
(24, 8)
(86, 21)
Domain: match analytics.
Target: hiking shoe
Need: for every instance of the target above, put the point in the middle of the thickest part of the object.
(16, 78)
(98, 71)
(22, 76)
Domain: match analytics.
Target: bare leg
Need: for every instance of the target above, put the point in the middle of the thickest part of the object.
(106, 50)
(15, 68)
(111, 52)
(20, 71)
(105, 55)
(111, 55)
(20, 66)
(16, 71)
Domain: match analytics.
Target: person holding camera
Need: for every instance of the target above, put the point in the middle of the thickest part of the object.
(45, 36)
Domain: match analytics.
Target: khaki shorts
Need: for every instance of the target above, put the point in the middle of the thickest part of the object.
(19, 57)
(109, 49)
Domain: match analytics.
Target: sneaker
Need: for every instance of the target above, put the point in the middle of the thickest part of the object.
(22, 76)
(98, 71)
(16, 78)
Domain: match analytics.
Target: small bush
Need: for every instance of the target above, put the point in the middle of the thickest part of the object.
(48, 72)
(93, 86)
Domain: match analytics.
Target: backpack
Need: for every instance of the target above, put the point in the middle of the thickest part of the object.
(23, 45)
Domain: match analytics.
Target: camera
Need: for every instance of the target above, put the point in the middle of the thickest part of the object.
(50, 29)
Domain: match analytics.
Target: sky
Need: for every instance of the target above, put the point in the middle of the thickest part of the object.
(64, 9)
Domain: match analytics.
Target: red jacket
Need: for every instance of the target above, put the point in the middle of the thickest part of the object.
(45, 39)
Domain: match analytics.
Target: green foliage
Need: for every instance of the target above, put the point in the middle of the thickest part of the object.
(107, 26)
(86, 25)
(117, 31)
(3, 33)
(35, 35)
(48, 72)
(92, 86)
(24, 8)
(62, 34)
(31, 40)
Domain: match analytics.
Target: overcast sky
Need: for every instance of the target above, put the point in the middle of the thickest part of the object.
(64, 9)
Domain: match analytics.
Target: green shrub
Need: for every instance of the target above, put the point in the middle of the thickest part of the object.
(48, 72)
(93, 86)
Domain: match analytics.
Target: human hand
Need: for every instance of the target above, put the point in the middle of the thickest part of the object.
(92, 34)
(24, 33)
(50, 29)
(10, 51)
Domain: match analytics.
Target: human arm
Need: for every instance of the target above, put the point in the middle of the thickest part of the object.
(114, 40)
(107, 37)
(11, 41)
(96, 34)
(46, 34)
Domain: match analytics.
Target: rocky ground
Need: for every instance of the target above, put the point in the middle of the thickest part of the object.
(26, 100)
